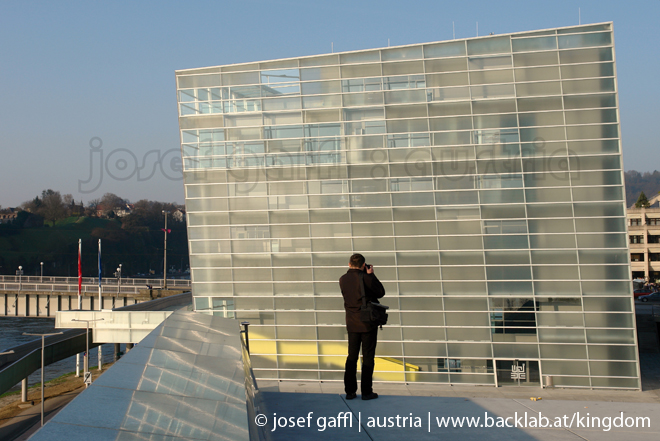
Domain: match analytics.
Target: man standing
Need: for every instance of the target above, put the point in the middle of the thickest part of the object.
(360, 333)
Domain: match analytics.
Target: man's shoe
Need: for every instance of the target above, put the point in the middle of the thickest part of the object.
(371, 396)
(351, 396)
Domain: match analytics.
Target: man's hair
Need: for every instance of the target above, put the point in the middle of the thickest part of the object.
(356, 261)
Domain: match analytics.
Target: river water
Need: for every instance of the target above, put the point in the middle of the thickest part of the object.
(11, 334)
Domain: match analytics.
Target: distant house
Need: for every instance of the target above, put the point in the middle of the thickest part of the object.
(7, 215)
(124, 210)
(103, 210)
(179, 215)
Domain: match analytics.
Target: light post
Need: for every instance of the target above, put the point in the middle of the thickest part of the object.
(43, 340)
(42, 272)
(20, 278)
(86, 358)
(119, 275)
(165, 252)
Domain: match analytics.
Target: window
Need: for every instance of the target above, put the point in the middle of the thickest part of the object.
(637, 222)
(637, 239)
(651, 221)
(637, 257)
(654, 239)
(512, 316)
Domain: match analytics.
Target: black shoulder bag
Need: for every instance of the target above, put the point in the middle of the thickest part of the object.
(372, 312)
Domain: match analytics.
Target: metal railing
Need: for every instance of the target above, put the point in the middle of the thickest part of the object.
(89, 284)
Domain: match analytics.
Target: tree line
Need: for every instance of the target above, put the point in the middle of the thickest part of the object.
(47, 228)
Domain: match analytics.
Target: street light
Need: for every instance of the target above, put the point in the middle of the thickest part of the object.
(42, 273)
(43, 339)
(20, 278)
(119, 274)
(165, 252)
(86, 360)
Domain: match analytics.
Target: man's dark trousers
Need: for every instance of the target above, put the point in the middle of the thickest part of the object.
(368, 342)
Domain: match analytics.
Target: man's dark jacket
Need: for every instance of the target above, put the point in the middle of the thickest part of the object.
(349, 284)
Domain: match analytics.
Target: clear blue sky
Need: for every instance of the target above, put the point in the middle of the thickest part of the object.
(71, 71)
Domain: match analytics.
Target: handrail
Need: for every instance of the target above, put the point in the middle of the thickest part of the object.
(92, 280)
(89, 284)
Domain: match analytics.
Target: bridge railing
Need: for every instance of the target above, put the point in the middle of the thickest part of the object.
(50, 280)
(94, 289)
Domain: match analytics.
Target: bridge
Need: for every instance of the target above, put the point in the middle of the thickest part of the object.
(36, 296)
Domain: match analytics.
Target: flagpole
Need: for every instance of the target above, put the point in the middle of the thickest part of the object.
(100, 298)
(79, 274)
(79, 297)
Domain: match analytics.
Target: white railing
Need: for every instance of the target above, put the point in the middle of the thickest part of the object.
(89, 285)
(93, 281)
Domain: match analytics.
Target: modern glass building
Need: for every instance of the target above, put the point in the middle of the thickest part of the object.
(481, 177)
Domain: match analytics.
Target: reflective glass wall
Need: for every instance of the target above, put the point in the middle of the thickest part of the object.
(481, 177)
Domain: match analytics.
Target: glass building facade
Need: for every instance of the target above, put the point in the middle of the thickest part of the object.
(481, 177)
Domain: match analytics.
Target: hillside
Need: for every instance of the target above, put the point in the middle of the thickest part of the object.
(636, 182)
(137, 246)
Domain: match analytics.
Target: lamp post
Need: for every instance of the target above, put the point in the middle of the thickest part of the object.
(86, 360)
(43, 340)
(20, 278)
(119, 275)
(165, 252)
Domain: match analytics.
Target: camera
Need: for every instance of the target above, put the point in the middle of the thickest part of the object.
(368, 267)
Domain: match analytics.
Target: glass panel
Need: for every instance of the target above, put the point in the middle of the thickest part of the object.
(537, 104)
(552, 241)
(603, 256)
(449, 109)
(541, 119)
(493, 106)
(541, 88)
(534, 44)
(584, 40)
(585, 55)
(588, 86)
(507, 257)
(548, 195)
(405, 53)
(550, 225)
(444, 49)
(591, 116)
(587, 70)
(448, 94)
(604, 272)
(556, 272)
(535, 59)
(447, 79)
(409, 67)
(554, 257)
(364, 70)
(492, 45)
(493, 76)
(598, 194)
(556, 288)
(492, 91)
(448, 65)
(589, 101)
(359, 57)
(508, 272)
(461, 258)
(556, 179)
(599, 210)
